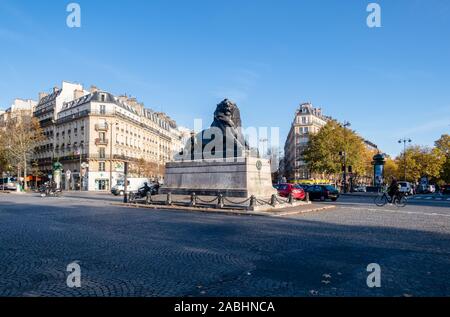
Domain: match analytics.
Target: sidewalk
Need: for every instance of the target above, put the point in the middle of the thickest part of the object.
(274, 213)
(360, 194)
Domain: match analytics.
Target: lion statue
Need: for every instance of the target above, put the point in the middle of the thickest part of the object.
(223, 139)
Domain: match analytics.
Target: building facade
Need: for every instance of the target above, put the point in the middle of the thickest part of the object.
(308, 120)
(93, 133)
(18, 107)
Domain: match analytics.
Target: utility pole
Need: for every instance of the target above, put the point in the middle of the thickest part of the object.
(345, 125)
(404, 141)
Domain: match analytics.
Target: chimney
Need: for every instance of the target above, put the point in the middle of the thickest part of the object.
(42, 95)
(78, 93)
(93, 89)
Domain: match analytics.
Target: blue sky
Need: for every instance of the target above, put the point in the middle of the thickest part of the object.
(183, 57)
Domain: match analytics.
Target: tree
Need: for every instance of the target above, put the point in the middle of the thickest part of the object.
(443, 144)
(36, 172)
(141, 167)
(390, 169)
(324, 148)
(19, 136)
(421, 161)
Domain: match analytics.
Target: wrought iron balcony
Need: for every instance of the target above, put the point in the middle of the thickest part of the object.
(101, 141)
(101, 127)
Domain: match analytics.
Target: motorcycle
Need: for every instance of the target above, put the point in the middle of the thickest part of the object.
(144, 191)
(49, 190)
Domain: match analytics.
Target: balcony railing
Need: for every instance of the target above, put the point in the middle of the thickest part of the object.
(101, 141)
(101, 127)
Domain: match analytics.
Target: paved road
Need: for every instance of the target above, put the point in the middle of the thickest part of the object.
(137, 252)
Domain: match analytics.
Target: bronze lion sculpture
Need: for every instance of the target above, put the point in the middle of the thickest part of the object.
(224, 139)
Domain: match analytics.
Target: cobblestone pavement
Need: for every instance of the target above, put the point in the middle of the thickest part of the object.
(138, 252)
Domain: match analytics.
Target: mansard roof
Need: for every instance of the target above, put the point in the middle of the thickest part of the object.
(50, 97)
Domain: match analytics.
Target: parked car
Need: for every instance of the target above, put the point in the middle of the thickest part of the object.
(133, 185)
(8, 183)
(304, 186)
(406, 188)
(360, 189)
(323, 192)
(285, 189)
(445, 190)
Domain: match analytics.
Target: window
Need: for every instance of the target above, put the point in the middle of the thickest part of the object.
(102, 152)
(102, 136)
(102, 108)
(101, 167)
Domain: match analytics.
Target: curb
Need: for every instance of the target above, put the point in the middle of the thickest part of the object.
(289, 213)
(222, 211)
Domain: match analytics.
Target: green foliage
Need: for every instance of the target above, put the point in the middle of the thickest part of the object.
(391, 169)
(322, 153)
(443, 144)
(421, 161)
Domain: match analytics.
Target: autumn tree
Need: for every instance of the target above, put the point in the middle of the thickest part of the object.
(420, 161)
(324, 149)
(390, 169)
(36, 172)
(443, 144)
(140, 166)
(18, 137)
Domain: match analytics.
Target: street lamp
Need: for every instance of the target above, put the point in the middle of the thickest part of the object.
(404, 141)
(344, 153)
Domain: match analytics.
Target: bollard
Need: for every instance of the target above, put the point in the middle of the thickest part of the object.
(307, 197)
(193, 199)
(273, 200)
(290, 199)
(252, 202)
(169, 199)
(220, 203)
(148, 201)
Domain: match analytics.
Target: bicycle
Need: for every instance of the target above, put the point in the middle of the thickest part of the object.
(399, 200)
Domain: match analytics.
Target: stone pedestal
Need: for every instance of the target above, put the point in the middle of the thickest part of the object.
(234, 177)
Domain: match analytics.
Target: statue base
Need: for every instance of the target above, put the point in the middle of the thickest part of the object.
(233, 177)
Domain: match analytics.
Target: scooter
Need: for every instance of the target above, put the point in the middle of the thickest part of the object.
(144, 190)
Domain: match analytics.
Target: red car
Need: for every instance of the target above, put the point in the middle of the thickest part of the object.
(285, 189)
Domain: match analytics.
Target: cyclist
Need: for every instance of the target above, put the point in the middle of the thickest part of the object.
(393, 189)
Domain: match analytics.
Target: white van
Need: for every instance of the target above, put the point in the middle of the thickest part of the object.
(133, 184)
(406, 188)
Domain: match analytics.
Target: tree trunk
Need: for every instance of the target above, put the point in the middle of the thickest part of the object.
(25, 186)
